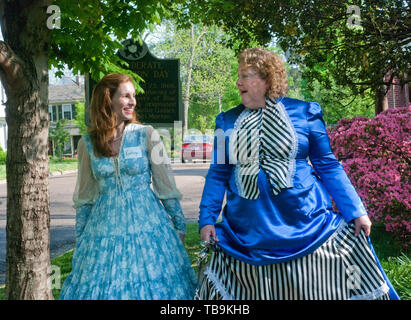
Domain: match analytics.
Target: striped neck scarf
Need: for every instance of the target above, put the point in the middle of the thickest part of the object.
(266, 139)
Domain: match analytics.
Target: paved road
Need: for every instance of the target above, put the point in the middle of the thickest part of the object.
(189, 180)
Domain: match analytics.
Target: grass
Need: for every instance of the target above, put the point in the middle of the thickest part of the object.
(54, 166)
(2, 172)
(395, 263)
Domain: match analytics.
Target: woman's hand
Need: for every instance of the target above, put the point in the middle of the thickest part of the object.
(364, 223)
(208, 231)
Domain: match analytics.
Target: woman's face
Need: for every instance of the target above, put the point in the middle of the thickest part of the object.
(124, 101)
(252, 88)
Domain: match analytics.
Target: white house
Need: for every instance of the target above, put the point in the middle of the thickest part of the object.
(63, 97)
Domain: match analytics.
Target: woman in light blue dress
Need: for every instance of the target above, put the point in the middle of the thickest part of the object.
(129, 236)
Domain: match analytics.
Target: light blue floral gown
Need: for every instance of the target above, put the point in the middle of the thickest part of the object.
(127, 243)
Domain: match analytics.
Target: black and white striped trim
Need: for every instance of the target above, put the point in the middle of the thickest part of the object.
(343, 268)
(266, 139)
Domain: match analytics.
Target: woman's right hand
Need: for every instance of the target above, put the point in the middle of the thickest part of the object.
(208, 231)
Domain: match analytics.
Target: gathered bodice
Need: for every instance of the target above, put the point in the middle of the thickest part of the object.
(142, 162)
(129, 170)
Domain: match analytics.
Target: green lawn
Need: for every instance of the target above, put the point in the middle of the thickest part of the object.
(54, 166)
(63, 165)
(2, 172)
(396, 264)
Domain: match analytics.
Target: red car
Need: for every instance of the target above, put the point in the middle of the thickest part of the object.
(196, 147)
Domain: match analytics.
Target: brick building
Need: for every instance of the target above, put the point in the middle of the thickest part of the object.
(398, 95)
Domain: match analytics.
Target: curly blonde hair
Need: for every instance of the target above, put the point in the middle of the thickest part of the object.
(269, 67)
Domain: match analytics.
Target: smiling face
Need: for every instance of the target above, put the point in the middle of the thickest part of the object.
(124, 101)
(252, 88)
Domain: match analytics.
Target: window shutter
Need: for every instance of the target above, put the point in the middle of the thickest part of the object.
(60, 112)
(73, 111)
(54, 113)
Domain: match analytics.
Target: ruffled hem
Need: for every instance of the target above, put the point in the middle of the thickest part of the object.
(127, 290)
(326, 274)
(217, 285)
(373, 295)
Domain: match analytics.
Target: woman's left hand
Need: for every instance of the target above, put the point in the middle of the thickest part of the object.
(364, 223)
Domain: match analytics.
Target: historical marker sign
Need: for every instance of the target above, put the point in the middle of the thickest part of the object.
(161, 101)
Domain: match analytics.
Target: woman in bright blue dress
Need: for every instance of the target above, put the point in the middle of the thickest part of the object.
(129, 237)
(279, 238)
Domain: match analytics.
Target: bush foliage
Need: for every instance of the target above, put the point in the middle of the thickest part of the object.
(376, 154)
(3, 156)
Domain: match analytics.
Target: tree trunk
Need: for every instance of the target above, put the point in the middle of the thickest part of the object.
(186, 96)
(381, 102)
(24, 73)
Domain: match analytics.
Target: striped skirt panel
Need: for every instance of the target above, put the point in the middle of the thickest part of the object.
(342, 268)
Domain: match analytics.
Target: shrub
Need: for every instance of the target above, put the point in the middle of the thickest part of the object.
(3, 156)
(376, 154)
(60, 136)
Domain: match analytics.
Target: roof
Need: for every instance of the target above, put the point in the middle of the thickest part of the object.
(71, 93)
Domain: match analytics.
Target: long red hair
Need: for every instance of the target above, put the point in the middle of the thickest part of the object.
(102, 118)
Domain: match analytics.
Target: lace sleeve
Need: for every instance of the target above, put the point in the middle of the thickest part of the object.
(86, 190)
(162, 176)
(164, 185)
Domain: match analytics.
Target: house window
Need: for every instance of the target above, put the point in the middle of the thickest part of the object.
(59, 112)
(52, 113)
(67, 148)
(67, 112)
(73, 111)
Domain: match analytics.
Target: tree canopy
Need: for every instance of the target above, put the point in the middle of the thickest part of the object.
(210, 69)
(91, 33)
(356, 43)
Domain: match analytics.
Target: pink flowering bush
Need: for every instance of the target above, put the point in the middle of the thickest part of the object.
(376, 154)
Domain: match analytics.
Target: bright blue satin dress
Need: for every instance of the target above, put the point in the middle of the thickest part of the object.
(294, 223)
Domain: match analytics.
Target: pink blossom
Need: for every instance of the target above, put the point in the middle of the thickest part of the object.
(376, 154)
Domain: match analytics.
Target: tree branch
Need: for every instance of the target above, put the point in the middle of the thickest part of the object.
(11, 69)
